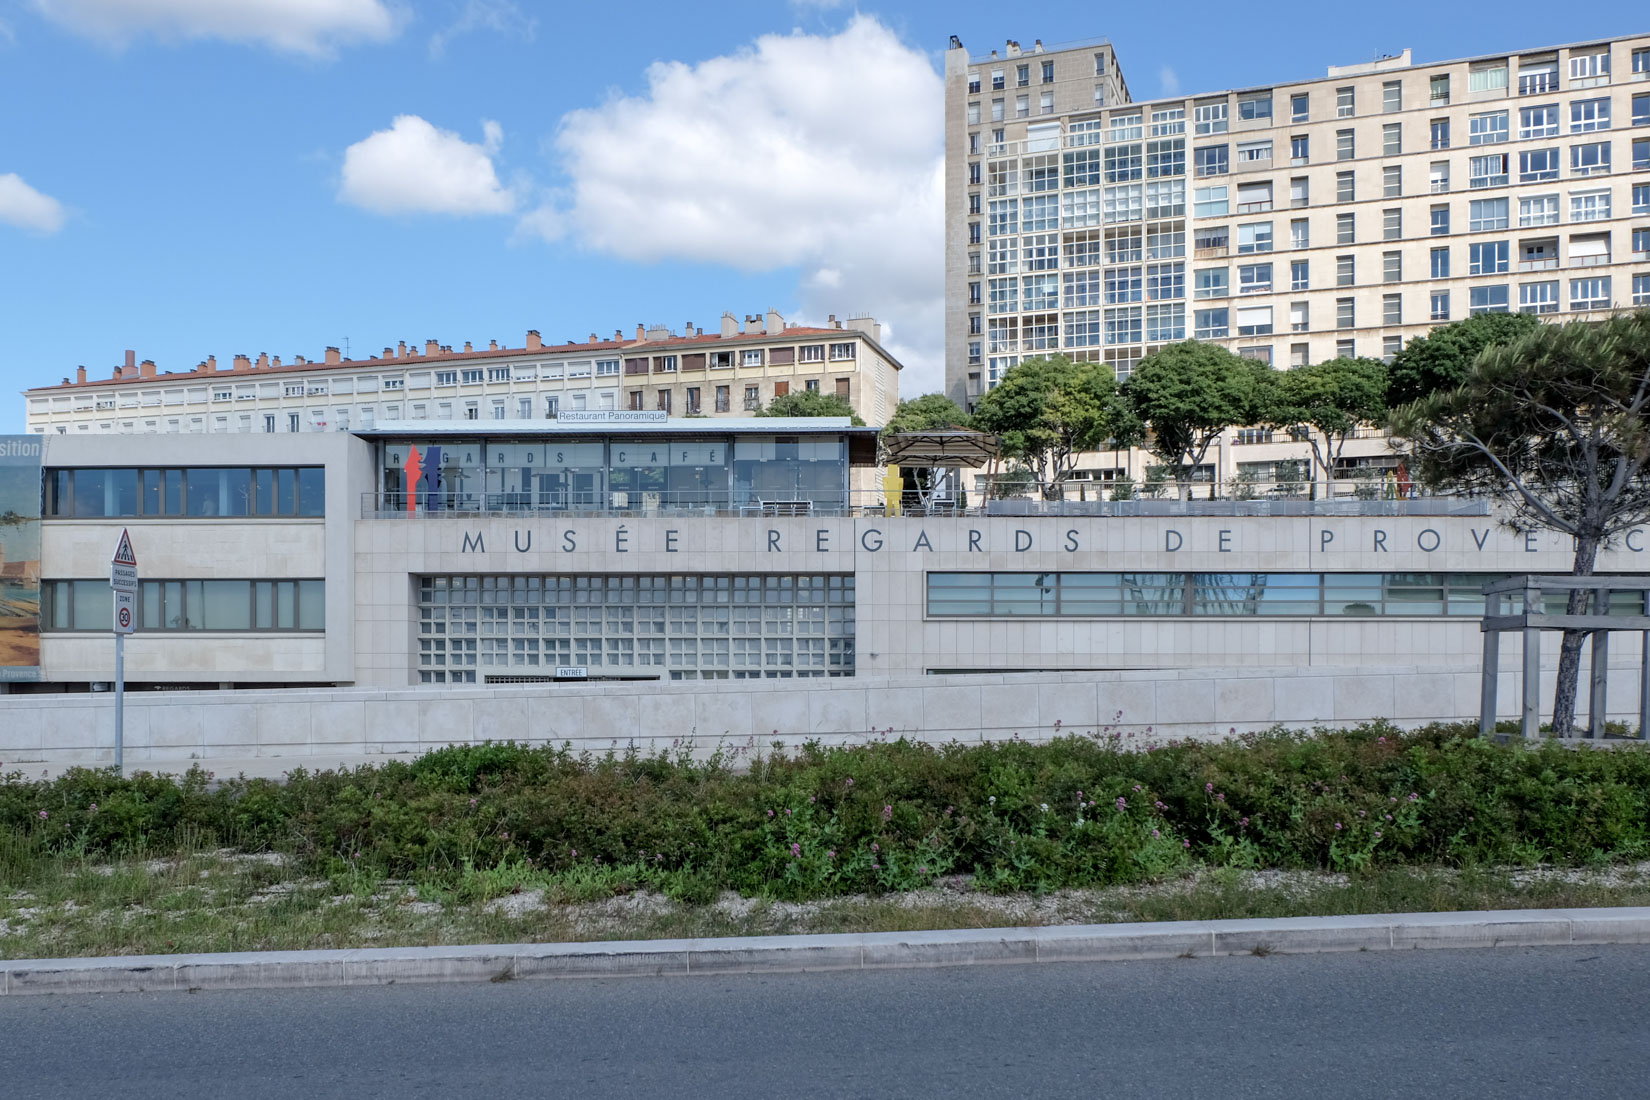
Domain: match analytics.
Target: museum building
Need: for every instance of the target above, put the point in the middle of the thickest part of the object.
(636, 546)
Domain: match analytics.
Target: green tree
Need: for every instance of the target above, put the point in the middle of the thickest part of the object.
(931, 412)
(1556, 426)
(1439, 360)
(811, 403)
(1190, 392)
(1331, 401)
(1047, 411)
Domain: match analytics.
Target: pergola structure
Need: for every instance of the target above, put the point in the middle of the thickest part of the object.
(944, 449)
(1532, 619)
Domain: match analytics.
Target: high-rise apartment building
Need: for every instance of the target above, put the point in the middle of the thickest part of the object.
(1291, 222)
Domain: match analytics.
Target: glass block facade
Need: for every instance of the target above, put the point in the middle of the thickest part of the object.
(500, 629)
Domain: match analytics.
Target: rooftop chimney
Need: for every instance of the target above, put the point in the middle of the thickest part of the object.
(492, 345)
(211, 363)
(467, 347)
(773, 322)
(146, 369)
(334, 357)
(389, 353)
(730, 326)
(276, 362)
(1037, 47)
(131, 363)
(80, 374)
(263, 360)
(618, 336)
(431, 347)
(400, 349)
(241, 362)
(299, 361)
(592, 337)
(534, 340)
(641, 331)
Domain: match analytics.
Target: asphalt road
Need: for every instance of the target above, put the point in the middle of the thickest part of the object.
(1512, 1023)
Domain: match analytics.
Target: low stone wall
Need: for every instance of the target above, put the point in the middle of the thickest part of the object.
(299, 726)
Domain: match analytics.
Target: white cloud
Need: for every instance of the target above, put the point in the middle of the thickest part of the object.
(822, 152)
(312, 27)
(1169, 80)
(502, 16)
(26, 208)
(414, 168)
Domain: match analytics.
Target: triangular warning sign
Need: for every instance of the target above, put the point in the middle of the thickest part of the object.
(123, 552)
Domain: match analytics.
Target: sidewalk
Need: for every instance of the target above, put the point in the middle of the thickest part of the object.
(881, 950)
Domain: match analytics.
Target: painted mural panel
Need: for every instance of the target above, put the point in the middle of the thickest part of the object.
(20, 557)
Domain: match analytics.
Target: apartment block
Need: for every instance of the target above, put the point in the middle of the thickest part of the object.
(1292, 222)
(732, 371)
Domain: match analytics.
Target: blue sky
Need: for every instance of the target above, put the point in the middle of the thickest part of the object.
(195, 177)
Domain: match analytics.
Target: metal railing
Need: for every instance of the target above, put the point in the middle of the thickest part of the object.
(1283, 499)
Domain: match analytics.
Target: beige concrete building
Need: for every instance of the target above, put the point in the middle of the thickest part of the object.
(731, 371)
(1293, 222)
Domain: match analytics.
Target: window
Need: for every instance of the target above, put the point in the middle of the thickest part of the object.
(1487, 299)
(1022, 76)
(996, 80)
(446, 378)
(1125, 127)
(1390, 347)
(1045, 103)
(1538, 76)
(753, 398)
(1299, 275)
(1438, 177)
(1641, 198)
(524, 408)
(1438, 90)
(1590, 160)
(1022, 106)
(215, 605)
(1254, 106)
(1123, 284)
(1641, 241)
(1209, 117)
(117, 492)
(1210, 240)
(1641, 283)
(1440, 220)
(1123, 326)
(1538, 255)
(1210, 202)
(1538, 297)
(1166, 199)
(1439, 307)
(1592, 292)
(1392, 267)
(1641, 110)
(1254, 198)
(1299, 356)
(1392, 224)
(1040, 292)
(1589, 66)
(1392, 309)
(1588, 249)
(1440, 133)
(1344, 148)
(1254, 321)
(1538, 122)
(1487, 129)
(1440, 264)
(1168, 122)
(1345, 313)
(1254, 237)
(1392, 139)
(1254, 279)
(1297, 108)
(1537, 210)
(1048, 72)
(1210, 160)
(843, 351)
(1299, 150)
(1392, 96)
(1487, 76)
(1253, 152)
(1345, 228)
(1300, 233)
(1165, 323)
(1589, 206)
(1536, 165)
(1299, 318)
(1210, 282)
(1392, 181)
(1488, 171)
(1345, 187)
(1344, 102)
(1587, 115)
(1487, 258)
(1641, 64)
(998, 112)
(1641, 155)
(1210, 324)
(1298, 193)
(1345, 270)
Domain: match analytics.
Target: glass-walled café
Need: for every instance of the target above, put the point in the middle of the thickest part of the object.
(752, 468)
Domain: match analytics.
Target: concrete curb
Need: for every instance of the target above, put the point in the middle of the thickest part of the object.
(868, 951)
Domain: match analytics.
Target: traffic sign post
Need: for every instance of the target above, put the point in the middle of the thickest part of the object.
(123, 578)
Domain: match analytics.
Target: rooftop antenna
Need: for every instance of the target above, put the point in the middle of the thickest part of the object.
(346, 347)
